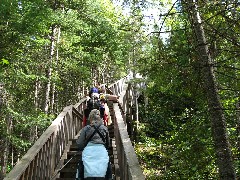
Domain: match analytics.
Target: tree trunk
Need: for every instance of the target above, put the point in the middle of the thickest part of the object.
(135, 101)
(36, 93)
(5, 146)
(53, 106)
(33, 131)
(49, 71)
(4, 160)
(220, 137)
(238, 128)
(2, 140)
(7, 126)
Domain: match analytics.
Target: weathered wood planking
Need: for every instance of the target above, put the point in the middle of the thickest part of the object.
(127, 158)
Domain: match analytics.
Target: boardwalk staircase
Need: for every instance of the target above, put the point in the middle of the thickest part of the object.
(54, 155)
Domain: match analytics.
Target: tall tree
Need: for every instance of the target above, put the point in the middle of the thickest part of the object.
(219, 130)
(179, 117)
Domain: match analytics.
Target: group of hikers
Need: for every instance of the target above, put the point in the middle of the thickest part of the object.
(97, 98)
(94, 139)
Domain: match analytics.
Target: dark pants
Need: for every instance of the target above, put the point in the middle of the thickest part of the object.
(80, 170)
(81, 173)
(109, 171)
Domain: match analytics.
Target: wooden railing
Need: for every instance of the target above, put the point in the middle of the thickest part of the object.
(127, 109)
(118, 87)
(127, 159)
(123, 117)
(44, 158)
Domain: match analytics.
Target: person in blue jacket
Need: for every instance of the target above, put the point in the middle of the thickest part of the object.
(94, 142)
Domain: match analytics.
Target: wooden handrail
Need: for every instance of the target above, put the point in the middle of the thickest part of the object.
(117, 87)
(123, 129)
(44, 156)
(127, 159)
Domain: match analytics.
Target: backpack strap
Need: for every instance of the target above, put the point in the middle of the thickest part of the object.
(90, 138)
(100, 134)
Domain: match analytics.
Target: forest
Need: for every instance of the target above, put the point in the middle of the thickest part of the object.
(51, 52)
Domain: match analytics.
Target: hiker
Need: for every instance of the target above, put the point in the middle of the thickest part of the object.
(91, 104)
(94, 91)
(96, 100)
(104, 110)
(94, 143)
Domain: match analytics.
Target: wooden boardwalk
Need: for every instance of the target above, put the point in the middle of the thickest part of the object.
(46, 159)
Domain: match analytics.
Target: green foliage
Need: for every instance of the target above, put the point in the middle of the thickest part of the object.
(176, 114)
(4, 61)
(84, 36)
(175, 139)
(175, 136)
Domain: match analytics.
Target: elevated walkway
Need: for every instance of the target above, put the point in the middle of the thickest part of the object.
(45, 160)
